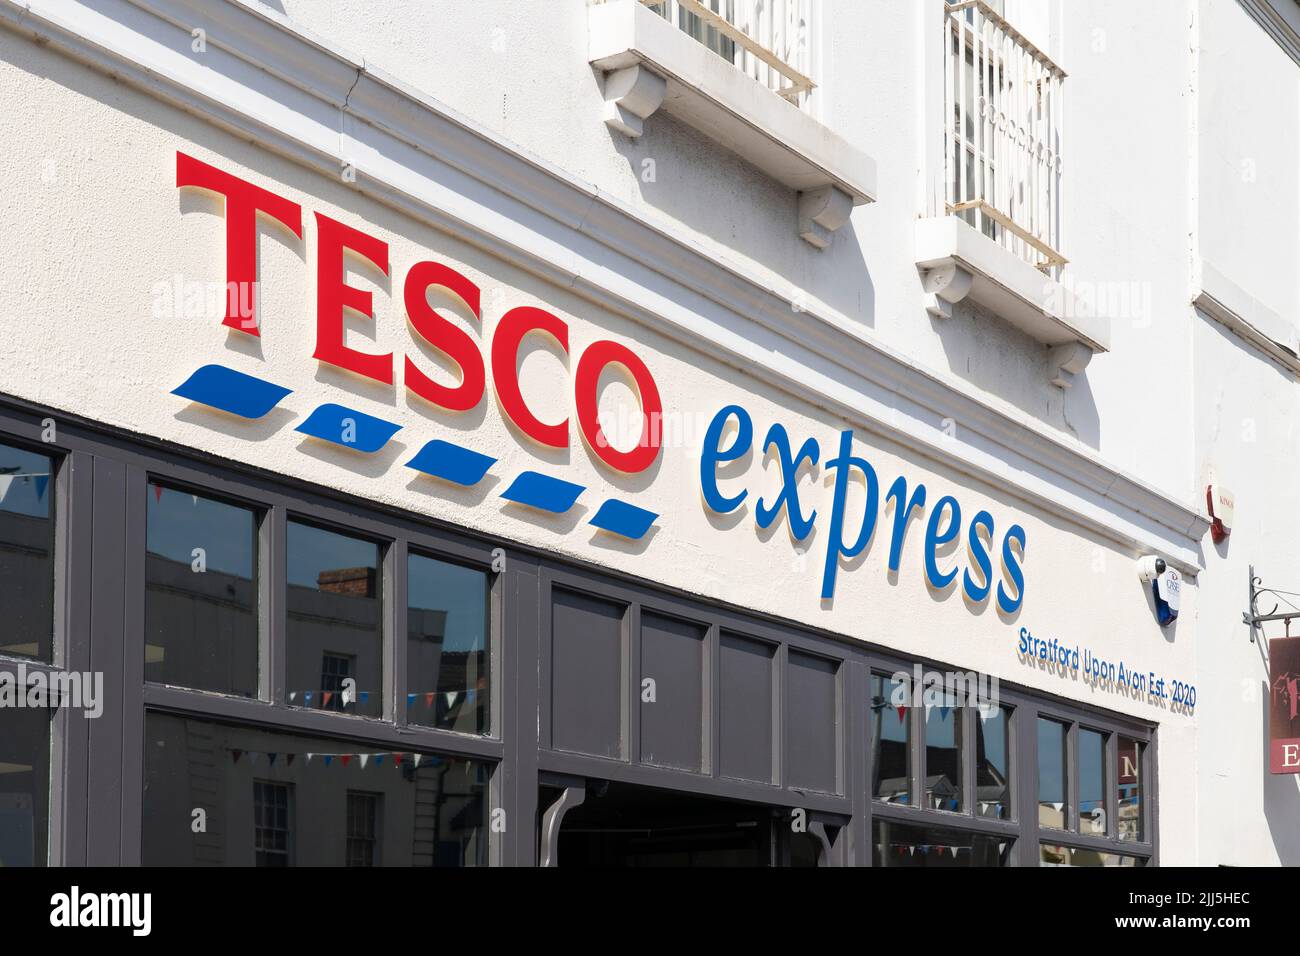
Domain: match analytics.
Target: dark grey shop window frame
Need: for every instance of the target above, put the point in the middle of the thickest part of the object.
(101, 487)
(1023, 826)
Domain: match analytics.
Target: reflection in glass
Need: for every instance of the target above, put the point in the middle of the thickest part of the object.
(278, 799)
(891, 752)
(1053, 807)
(993, 762)
(26, 553)
(24, 786)
(943, 757)
(201, 593)
(1051, 855)
(446, 645)
(1129, 804)
(1092, 781)
(897, 844)
(335, 649)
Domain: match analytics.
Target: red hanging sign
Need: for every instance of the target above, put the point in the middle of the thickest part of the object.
(1284, 705)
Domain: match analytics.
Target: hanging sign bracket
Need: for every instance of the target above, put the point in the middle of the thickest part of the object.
(1253, 617)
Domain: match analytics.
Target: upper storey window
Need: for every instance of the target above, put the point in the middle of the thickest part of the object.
(767, 39)
(739, 72)
(1003, 135)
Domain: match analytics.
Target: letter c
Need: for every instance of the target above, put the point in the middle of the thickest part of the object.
(514, 325)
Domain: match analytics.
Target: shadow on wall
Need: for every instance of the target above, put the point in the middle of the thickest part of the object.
(691, 179)
(988, 353)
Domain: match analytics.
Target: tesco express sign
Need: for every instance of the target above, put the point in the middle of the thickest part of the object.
(945, 527)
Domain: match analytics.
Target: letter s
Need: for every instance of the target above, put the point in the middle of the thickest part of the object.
(442, 335)
(1011, 567)
(980, 555)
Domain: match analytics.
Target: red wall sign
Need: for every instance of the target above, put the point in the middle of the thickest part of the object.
(1284, 705)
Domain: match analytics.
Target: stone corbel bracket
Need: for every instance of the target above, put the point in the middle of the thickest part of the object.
(944, 286)
(957, 262)
(821, 212)
(648, 65)
(631, 95)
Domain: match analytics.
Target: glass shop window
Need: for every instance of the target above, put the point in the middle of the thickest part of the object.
(993, 762)
(334, 658)
(201, 592)
(446, 645)
(26, 553)
(1129, 790)
(891, 740)
(1092, 782)
(1053, 804)
(281, 799)
(898, 844)
(943, 744)
(1053, 855)
(24, 786)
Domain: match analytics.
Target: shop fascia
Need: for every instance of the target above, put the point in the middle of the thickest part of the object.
(245, 201)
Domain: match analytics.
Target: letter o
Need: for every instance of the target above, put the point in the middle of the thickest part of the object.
(586, 386)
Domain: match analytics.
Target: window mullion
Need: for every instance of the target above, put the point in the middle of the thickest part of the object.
(395, 624)
(273, 587)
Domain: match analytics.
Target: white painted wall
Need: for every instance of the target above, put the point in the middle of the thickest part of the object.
(1247, 152)
(91, 223)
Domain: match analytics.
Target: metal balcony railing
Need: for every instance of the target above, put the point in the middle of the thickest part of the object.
(767, 39)
(1003, 134)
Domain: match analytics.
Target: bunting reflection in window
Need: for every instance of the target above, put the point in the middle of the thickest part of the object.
(993, 762)
(26, 553)
(275, 799)
(446, 645)
(943, 756)
(335, 657)
(898, 844)
(891, 752)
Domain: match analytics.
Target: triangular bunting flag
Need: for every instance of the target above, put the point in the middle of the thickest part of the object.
(306, 697)
(236, 754)
(310, 758)
(41, 482)
(397, 760)
(346, 758)
(428, 698)
(329, 759)
(293, 695)
(325, 697)
(364, 758)
(270, 759)
(157, 492)
(288, 759)
(411, 699)
(902, 712)
(379, 759)
(5, 482)
(365, 696)
(451, 699)
(415, 758)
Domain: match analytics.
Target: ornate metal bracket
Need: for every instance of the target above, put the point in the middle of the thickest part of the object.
(1253, 617)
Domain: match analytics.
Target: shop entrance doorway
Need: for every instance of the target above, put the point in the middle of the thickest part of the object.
(622, 825)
